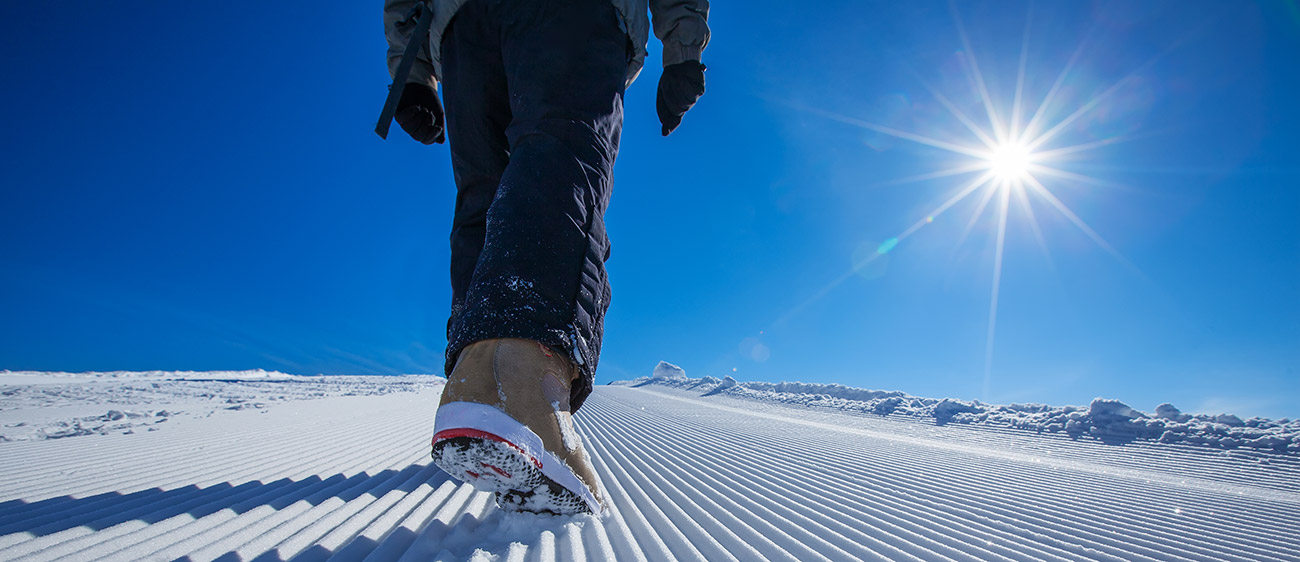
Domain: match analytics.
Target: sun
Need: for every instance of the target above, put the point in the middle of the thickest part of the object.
(1010, 162)
(1013, 157)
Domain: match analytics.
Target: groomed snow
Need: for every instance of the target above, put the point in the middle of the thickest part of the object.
(325, 468)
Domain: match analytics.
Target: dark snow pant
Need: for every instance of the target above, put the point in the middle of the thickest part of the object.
(533, 91)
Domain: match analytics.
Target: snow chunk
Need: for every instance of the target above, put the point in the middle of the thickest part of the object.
(567, 434)
(1116, 421)
(886, 406)
(726, 384)
(666, 370)
(1229, 420)
(946, 409)
(1169, 412)
(1112, 414)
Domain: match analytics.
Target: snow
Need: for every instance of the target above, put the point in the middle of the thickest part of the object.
(1104, 419)
(337, 468)
(666, 370)
(947, 409)
(38, 406)
(568, 435)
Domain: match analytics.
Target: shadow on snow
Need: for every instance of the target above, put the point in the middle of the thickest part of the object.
(461, 529)
(101, 511)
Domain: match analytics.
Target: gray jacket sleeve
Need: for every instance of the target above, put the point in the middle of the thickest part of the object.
(682, 26)
(398, 24)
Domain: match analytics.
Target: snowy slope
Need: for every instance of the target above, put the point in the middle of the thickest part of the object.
(340, 472)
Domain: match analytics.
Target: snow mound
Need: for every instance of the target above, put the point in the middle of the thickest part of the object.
(666, 370)
(1106, 420)
(727, 383)
(947, 409)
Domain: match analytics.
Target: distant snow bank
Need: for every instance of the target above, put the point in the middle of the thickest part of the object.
(36, 406)
(46, 377)
(1107, 420)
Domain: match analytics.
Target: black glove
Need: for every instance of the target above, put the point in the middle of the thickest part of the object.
(680, 86)
(420, 114)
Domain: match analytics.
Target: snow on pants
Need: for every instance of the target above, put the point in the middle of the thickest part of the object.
(533, 91)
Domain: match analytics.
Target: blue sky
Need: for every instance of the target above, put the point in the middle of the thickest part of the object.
(199, 188)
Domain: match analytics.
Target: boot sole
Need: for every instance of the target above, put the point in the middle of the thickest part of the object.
(489, 450)
(495, 466)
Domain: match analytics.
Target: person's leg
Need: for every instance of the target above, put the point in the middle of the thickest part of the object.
(542, 275)
(477, 114)
(504, 423)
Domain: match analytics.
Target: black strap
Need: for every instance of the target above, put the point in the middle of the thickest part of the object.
(419, 37)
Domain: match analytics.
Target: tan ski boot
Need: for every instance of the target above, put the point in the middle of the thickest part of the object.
(504, 425)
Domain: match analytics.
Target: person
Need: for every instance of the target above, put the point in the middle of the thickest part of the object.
(533, 91)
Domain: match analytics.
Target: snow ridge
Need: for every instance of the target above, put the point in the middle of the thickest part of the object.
(1106, 420)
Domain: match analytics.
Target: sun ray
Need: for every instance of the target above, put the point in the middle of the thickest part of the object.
(954, 171)
(992, 190)
(997, 286)
(1020, 77)
(1022, 197)
(1047, 195)
(977, 77)
(796, 309)
(961, 194)
(921, 139)
(1083, 226)
(1032, 128)
(961, 116)
(1075, 148)
(1085, 108)
(1080, 112)
(1063, 174)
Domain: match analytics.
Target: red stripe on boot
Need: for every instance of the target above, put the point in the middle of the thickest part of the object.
(480, 434)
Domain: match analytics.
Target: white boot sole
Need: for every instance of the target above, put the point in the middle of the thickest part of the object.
(491, 451)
